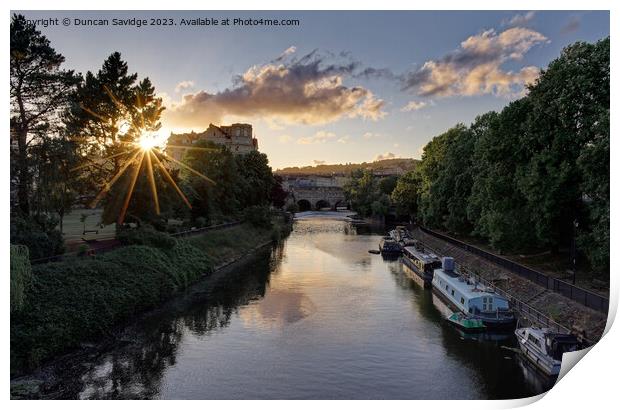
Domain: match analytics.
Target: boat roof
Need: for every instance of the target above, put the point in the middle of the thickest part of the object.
(463, 286)
(423, 256)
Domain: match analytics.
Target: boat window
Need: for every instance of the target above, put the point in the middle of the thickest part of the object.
(452, 292)
(463, 301)
(446, 287)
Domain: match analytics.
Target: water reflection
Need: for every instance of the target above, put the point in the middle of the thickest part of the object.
(316, 317)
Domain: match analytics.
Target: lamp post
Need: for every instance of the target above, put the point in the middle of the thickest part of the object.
(573, 250)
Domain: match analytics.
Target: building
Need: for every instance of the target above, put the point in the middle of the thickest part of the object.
(237, 137)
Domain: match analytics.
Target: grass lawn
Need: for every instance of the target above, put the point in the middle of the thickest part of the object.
(73, 228)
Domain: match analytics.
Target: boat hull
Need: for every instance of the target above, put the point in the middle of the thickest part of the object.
(543, 363)
(427, 278)
(494, 324)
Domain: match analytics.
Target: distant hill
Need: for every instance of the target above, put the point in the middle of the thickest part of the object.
(403, 164)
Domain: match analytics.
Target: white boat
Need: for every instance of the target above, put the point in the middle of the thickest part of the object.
(474, 300)
(544, 348)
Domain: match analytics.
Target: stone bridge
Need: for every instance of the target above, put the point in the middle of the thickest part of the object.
(318, 197)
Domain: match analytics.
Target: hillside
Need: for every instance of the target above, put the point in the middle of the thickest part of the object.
(394, 163)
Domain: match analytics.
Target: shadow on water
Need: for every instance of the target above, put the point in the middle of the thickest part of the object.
(134, 367)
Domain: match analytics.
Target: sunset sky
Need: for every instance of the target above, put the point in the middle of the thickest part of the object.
(341, 86)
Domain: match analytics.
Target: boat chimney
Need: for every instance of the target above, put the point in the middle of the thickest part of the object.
(447, 263)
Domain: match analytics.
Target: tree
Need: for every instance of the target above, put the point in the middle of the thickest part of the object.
(278, 195)
(39, 91)
(211, 200)
(56, 189)
(438, 177)
(405, 194)
(257, 179)
(111, 112)
(570, 101)
(363, 191)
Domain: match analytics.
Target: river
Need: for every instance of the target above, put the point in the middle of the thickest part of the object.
(317, 317)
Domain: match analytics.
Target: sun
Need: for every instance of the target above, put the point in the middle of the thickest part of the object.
(148, 142)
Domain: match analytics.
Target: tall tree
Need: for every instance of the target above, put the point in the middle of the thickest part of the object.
(39, 91)
(110, 113)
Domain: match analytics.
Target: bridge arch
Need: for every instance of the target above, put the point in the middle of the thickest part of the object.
(322, 204)
(304, 205)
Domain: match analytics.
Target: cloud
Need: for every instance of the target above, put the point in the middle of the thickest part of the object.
(520, 19)
(573, 24)
(371, 135)
(183, 85)
(305, 90)
(285, 53)
(387, 155)
(414, 106)
(475, 68)
(318, 138)
(317, 162)
(344, 140)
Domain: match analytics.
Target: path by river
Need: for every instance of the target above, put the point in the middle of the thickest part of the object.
(318, 317)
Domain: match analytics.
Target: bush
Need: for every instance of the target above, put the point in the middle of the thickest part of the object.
(258, 216)
(292, 208)
(146, 235)
(39, 234)
(82, 299)
(21, 275)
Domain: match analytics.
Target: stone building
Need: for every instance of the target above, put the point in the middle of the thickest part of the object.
(237, 137)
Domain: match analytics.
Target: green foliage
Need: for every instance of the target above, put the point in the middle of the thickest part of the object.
(368, 194)
(237, 181)
(523, 177)
(38, 233)
(292, 207)
(406, 193)
(39, 91)
(258, 216)
(21, 275)
(148, 236)
(83, 299)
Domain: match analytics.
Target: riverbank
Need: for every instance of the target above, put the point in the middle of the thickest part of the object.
(565, 311)
(79, 301)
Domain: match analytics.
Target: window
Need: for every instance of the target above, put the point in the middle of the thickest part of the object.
(446, 287)
(463, 301)
(452, 292)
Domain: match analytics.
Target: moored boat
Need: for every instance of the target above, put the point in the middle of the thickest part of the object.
(544, 348)
(471, 298)
(387, 245)
(421, 262)
(466, 323)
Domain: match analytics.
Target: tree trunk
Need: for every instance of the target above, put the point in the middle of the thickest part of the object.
(24, 176)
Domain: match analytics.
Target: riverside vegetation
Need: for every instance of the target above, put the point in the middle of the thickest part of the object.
(59, 305)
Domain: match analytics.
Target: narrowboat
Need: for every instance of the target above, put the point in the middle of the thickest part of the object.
(544, 348)
(389, 246)
(471, 298)
(421, 262)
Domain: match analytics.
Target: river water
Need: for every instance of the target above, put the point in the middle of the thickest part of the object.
(318, 317)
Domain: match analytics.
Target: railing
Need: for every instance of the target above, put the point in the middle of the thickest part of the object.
(533, 315)
(580, 295)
